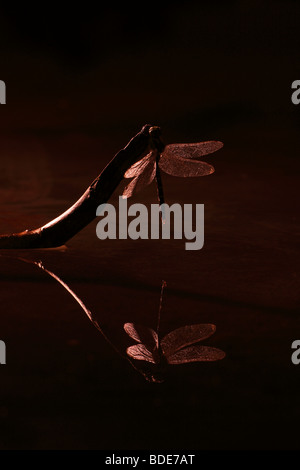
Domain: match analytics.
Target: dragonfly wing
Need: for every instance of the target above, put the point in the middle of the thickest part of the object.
(185, 336)
(184, 167)
(194, 150)
(196, 353)
(143, 175)
(139, 166)
(182, 159)
(142, 334)
(140, 353)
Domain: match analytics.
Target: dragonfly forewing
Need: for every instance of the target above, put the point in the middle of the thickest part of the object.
(139, 166)
(193, 150)
(185, 336)
(142, 334)
(143, 173)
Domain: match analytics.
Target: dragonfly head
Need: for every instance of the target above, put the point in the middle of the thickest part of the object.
(155, 133)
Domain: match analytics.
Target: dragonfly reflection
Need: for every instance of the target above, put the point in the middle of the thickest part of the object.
(180, 346)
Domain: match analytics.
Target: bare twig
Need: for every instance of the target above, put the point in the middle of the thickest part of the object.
(58, 231)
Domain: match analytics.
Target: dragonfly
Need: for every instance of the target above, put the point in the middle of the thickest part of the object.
(177, 347)
(180, 346)
(174, 159)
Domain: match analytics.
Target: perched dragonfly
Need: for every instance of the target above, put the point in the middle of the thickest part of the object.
(177, 347)
(174, 159)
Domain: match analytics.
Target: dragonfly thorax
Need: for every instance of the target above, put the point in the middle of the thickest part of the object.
(158, 356)
(156, 142)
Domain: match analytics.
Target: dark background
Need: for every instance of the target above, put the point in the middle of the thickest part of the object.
(81, 83)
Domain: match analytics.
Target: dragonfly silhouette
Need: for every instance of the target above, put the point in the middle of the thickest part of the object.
(177, 347)
(174, 159)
